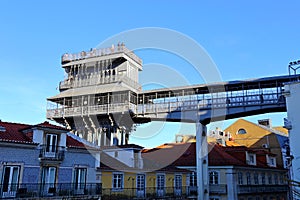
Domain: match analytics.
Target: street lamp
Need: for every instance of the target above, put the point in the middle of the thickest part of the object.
(294, 65)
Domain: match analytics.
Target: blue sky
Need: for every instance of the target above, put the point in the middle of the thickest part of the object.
(246, 39)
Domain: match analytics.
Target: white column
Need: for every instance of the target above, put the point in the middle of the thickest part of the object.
(202, 162)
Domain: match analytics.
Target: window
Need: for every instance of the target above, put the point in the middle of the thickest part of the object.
(51, 145)
(140, 182)
(240, 178)
(10, 180)
(281, 179)
(178, 182)
(276, 179)
(160, 184)
(214, 198)
(241, 131)
(256, 179)
(48, 179)
(213, 177)
(248, 175)
(117, 182)
(263, 178)
(271, 161)
(251, 158)
(140, 185)
(270, 179)
(193, 179)
(80, 178)
(178, 185)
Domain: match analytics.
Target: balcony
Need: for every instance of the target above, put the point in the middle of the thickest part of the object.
(50, 152)
(218, 189)
(96, 79)
(90, 110)
(248, 189)
(59, 190)
(100, 52)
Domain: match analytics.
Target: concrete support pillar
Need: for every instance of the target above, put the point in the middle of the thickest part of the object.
(231, 185)
(202, 161)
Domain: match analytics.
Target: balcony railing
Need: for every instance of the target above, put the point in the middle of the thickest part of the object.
(68, 57)
(97, 80)
(90, 110)
(32, 190)
(50, 152)
(247, 189)
(144, 193)
(218, 189)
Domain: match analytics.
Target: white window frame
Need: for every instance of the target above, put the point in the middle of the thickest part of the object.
(193, 179)
(48, 178)
(140, 185)
(51, 147)
(12, 185)
(271, 161)
(160, 184)
(178, 184)
(119, 177)
(251, 158)
(214, 177)
(80, 174)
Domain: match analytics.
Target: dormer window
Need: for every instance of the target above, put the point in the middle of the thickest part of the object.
(251, 158)
(271, 161)
(51, 145)
(50, 148)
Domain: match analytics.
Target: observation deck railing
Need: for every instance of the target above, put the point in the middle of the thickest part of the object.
(97, 80)
(120, 48)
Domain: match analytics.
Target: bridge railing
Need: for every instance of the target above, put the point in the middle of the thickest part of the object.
(211, 103)
(90, 110)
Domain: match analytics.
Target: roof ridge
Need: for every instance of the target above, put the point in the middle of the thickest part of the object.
(15, 123)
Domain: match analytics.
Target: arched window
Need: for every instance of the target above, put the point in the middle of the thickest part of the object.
(241, 131)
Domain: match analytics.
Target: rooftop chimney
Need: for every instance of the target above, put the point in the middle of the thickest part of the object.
(265, 122)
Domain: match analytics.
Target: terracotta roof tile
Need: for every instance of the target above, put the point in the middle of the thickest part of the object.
(217, 156)
(46, 124)
(12, 133)
(71, 142)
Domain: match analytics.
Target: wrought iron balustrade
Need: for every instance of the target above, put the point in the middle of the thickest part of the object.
(37, 190)
(52, 152)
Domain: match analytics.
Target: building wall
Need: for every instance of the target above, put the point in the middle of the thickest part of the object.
(292, 91)
(256, 137)
(150, 179)
(77, 158)
(26, 157)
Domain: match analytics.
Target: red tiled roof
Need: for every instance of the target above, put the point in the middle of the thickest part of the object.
(46, 124)
(71, 142)
(12, 133)
(217, 155)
